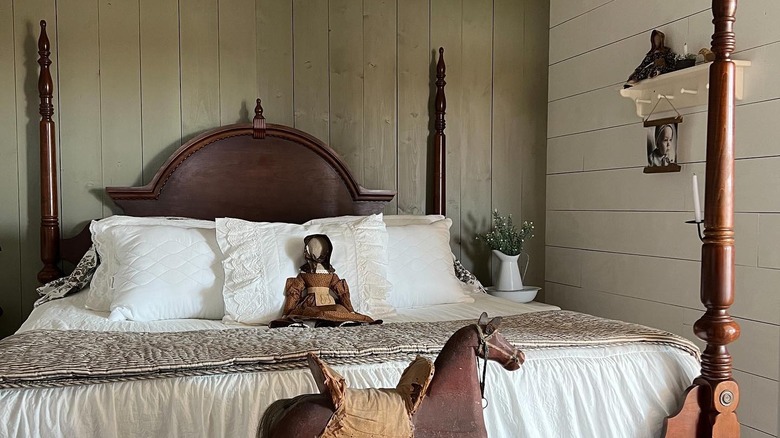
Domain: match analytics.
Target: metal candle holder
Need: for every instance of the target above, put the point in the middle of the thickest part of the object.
(698, 227)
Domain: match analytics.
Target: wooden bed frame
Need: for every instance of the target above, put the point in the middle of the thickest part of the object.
(271, 161)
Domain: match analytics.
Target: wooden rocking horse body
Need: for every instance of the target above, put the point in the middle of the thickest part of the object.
(451, 406)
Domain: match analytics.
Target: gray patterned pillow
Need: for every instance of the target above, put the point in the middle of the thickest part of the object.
(467, 277)
(76, 281)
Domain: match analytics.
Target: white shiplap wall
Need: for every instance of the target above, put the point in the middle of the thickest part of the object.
(617, 244)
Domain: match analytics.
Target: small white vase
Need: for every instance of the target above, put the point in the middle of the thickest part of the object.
(508, 277)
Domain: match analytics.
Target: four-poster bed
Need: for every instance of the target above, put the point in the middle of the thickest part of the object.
(198, 181)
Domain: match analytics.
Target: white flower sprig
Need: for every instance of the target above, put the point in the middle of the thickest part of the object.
(505, 237)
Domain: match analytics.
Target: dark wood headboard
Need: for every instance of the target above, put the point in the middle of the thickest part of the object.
(257, 172)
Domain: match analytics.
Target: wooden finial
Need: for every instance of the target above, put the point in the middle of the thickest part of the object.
(723, 39)
(258, 123)
(45, 84)
(439, 139)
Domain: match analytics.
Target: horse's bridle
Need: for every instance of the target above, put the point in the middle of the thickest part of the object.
(484, 346)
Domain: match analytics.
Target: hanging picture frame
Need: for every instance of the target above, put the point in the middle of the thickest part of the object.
(662, 142)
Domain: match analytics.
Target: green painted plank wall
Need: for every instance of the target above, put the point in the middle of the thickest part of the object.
(134, 79)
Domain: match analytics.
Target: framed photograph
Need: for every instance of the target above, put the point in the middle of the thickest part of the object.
(662, 142)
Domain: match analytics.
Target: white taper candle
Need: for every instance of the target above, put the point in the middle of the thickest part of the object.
(685, 49)
(696, 205)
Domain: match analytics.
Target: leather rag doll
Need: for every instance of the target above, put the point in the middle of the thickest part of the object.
(317, 295)
(660, 59)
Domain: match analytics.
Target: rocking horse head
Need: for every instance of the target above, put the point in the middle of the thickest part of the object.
(443, 399)
(494, 347)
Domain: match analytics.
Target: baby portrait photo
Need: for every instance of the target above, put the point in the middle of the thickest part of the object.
(662, 145)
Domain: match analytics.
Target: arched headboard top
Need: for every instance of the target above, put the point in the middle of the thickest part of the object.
(286, 175)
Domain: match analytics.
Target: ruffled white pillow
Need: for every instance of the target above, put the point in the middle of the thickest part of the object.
(421, 266)
(260, 256)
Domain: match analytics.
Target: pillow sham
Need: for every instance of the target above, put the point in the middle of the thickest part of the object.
(260, 256)
(106, 233)
(473, 285)
(421, 266)
(166, 272)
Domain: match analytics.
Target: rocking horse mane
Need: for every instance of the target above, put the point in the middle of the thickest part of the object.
(453, 402)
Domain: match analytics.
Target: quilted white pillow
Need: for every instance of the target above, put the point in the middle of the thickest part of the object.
(166, 272)
(105, 240)
(260, 256)
(421, 266)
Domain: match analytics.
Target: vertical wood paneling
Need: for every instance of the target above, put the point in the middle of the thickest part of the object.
(237, 60)
(120, 94)
(446, 31)
(10, 298)
(160, 89)
(310, 40)
(508, 95)
(80, 131)
(275, 59)
(138, 77)
(508, 91)
(380, 97)
(475, 131)
(533, 152)
(346, 83)
(27, 14)
(199, 45)
(414, 93)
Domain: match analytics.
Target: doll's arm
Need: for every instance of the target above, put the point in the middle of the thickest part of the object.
(342, 290)
(293, 291)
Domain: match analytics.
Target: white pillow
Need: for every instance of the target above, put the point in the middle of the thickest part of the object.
(260, 256)
(166, 272)
(100, 292)
(421, 266)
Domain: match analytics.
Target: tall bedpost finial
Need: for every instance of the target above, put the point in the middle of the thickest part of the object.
(50, 223)
(440, 140)
(45, 84)
(258, 123)
(714, 396)
(723, 39)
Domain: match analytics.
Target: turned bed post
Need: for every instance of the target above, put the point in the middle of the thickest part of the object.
(711, 401)
(50, 225)
(440, 140)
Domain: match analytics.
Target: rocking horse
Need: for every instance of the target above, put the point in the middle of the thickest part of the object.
(442, 399)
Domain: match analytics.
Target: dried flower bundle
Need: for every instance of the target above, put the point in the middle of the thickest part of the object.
(505, 236)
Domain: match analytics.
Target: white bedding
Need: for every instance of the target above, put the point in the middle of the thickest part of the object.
(620, 391)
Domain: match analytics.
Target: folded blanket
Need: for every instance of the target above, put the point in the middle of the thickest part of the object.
(52, 358)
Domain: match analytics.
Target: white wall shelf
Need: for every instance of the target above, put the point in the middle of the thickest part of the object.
(685, 88)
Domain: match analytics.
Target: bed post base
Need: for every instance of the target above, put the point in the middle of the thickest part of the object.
(710, 403)
(705, 415)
